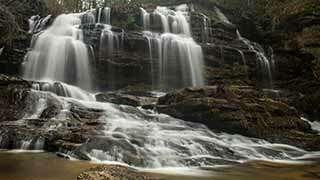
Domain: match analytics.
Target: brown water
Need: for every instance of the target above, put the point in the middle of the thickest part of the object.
(46, 166)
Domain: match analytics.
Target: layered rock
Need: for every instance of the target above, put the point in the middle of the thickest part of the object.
(127, 98)
(240, 110)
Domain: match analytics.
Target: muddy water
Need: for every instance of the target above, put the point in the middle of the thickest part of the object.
(45, 166)
(38, 166)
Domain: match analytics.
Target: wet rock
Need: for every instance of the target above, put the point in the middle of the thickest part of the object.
(104, 148)
(13, 93)
(240, 110)
(125, 99)
(114, 172)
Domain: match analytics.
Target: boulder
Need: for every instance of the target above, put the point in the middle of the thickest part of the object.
(125, 98)
(114, 172)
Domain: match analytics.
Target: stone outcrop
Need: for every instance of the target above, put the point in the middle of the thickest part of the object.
(114, 172)
(240, 110)
(127, 98)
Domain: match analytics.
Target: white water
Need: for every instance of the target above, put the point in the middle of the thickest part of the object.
(110, 42)
(147, 139)
(99, 15)
(314, 125)
(59, 54)
(1, 50)
(263, 61)
(207, 33)
(104, 15)
(63, 89)
(178, 59)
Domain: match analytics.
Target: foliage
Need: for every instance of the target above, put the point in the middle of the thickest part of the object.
(9, 28)
(68, 6)
(14, 15)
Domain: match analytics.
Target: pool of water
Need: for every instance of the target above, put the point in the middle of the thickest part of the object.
(47, 166)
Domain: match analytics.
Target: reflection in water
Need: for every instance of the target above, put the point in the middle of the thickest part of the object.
(44, 166)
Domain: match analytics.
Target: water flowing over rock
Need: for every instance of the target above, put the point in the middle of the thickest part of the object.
(265, 65)
(59, 53)
(177, 60)
(110, 41)
(64, 90)
(224, 46)
(107, 132)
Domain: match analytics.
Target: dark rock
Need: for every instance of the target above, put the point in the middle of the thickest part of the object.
(125, 99)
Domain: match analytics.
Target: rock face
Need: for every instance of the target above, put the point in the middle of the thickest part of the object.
(240, 110)
(114, 172)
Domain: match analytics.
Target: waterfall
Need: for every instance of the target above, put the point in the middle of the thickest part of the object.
(100, 15)
(59, 54)
(1, 50)
(178, 60)
(263, 62)
(62, 89)
(104, 15)
(110, 41)
(206, 28)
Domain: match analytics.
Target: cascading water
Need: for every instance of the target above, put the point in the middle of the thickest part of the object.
(179, 58)
(206, 28)
(1, 50)
(62, 89)
(103, 15)
(99, 15)
(110, 41)
(59, 54)
(263, 61)
(147, 139)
